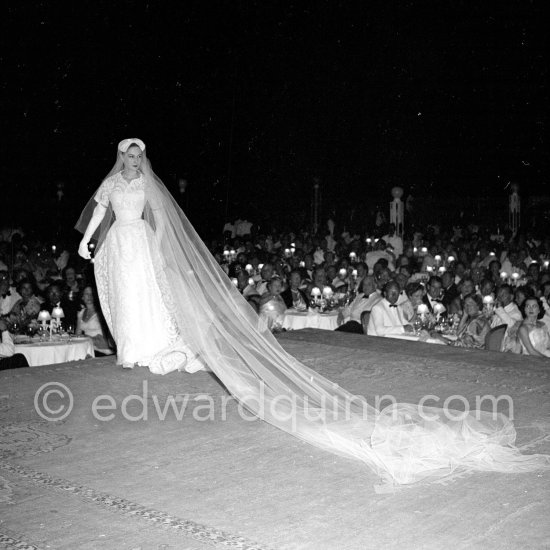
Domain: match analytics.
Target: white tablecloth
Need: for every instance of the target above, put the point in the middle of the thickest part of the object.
(415, 338)
(294, 320)
(49, 353)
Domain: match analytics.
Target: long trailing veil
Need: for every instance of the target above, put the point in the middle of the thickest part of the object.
(403, 443)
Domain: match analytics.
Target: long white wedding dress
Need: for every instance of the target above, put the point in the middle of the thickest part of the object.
(170, 305)
(133, 291)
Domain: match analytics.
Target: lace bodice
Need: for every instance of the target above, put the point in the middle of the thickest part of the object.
(126, 198)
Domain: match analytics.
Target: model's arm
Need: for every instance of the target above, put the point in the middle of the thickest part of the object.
(97, 217)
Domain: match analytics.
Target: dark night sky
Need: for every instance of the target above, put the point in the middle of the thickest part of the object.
(444, 97)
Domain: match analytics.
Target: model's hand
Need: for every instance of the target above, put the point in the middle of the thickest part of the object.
(83, 250)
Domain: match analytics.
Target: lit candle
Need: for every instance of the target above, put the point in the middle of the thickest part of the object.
(225, 254)
(260, 266)
(352, 256)
(442, 269)
(287, 252)
(234, 281)
(424, 250)
(251, 281)
(488, 300)
(368, 240)
(315, 291)
(354, 273)
(503, 275)
(546, 264)
(249, 269)
(437, 259)
(302, 264)
(342, 273)
(327, 291)
(292, 250)
(515, 277)
(491, 253)
(429, 269)
(451, 259)
(54, 248)
(415, 250)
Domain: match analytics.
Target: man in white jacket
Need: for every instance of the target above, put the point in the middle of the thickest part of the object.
(506, 312)
(387, 316)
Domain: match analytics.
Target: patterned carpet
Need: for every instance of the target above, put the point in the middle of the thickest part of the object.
(168, 462)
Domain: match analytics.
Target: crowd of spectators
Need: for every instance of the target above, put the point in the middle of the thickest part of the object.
(468, 280)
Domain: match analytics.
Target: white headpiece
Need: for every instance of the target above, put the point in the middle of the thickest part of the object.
(125, 143)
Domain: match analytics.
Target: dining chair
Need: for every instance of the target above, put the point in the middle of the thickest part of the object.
(493, 340)
(365, 320)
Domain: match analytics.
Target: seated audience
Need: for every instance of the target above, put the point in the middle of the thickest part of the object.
(363, 302)
(387, 316)
(90, 322)
(55, 298)
(506, 311)
(8, 294)
(29, 305)
(473, 326)
(272, 306)
(8, 358)
(293, 295)
(529, 336)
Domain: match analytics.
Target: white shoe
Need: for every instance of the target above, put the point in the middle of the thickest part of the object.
(127, 365)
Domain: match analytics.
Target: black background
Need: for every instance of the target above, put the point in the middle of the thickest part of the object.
(251, 101)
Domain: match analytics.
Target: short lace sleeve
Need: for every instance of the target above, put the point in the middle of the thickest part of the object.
(103, 194)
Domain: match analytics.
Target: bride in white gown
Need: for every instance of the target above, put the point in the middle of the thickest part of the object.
(169, 303)
(132, 287)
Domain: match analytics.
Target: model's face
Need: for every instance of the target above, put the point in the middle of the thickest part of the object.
(132, 158)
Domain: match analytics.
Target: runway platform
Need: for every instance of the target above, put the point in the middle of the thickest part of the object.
(133, 475)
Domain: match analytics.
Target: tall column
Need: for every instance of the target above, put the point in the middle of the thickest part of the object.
(514, 210)
(397, 211)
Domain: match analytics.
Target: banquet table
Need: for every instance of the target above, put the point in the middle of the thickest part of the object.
(295, 320)
(55, 351)
(416, 338)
